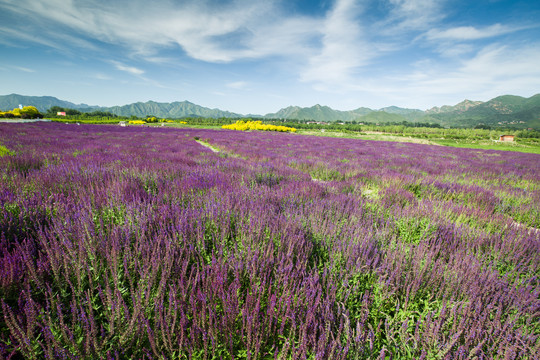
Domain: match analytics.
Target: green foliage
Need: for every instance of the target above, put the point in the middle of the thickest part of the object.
(5, 151)
(109, 216)
(269, 179)
(322, 173)
(74, 115)
(413, 230)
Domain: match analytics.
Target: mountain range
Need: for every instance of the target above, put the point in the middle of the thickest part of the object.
(506, 110)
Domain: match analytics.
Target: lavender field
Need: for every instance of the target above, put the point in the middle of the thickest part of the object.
(143, 243)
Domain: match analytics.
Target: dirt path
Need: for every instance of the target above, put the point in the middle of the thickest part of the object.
(216, 150)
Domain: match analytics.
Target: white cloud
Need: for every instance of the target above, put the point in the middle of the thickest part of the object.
(130, 69)
(415, 14)
(504, 64)
(352, 40)
(334, 46)
(102, 77)
(470, 32)
(238, 85)
(452, 50)
(287, 36)
(24, 69)
(45, 23)
(344, 47)
(208, 31)
(348, 49)
(492, 71)
(13, 37)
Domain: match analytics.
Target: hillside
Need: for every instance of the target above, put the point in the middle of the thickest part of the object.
(380, 117)
(42, 103)
(460, 107)
(169, 110)
(408, 114)
(140, 109)
(507, 110)
(318, 113)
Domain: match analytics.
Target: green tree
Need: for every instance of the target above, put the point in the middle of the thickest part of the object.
(53, 110)
(72, 112)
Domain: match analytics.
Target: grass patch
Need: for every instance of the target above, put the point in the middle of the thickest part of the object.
(491, 145)
(4, 151)
(529, 147)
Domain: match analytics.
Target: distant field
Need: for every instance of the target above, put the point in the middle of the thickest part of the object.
(491, 145)
(188, 126)
(519, 146)
(21, 121)
(147, 242)
(412, 135)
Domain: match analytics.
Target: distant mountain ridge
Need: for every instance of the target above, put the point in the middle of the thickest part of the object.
(362, 114)
(462, 106)
(164, 110)
(506, 110)
(318, 113)
(42, 103)
(175, 109)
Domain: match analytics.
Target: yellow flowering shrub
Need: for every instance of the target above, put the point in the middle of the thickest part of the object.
(27, 112)
(257, 125)
(31, 111)
(137, 122)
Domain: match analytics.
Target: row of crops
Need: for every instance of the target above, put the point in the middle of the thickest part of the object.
(141, 243)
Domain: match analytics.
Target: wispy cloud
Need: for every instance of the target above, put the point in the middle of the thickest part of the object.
(344, 47)
(503, 65)
(471, 33)
(238, 85)
(102, 77)
(130, 69)
(355, 47)
(353, 40)
(204, 30)
(414, 14)
(45, 24)
(493, 70)
(14, 37)
(333, 45)
(23, 69)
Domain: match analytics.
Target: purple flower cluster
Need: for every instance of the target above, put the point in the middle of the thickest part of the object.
(143, 243)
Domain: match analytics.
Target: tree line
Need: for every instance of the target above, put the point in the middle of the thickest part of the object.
(54, 111)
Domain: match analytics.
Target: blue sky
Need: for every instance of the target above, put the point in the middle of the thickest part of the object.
(259, 56)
